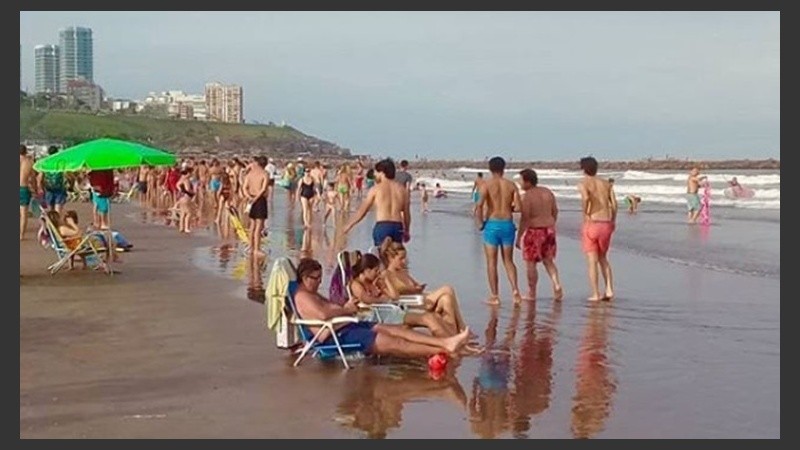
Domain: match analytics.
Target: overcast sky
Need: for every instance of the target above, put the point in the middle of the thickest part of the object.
(529, 85)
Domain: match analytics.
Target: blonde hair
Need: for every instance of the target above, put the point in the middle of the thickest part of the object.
(389, 249)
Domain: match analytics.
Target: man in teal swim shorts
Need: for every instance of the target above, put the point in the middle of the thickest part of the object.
(25, 172)
(500, 196)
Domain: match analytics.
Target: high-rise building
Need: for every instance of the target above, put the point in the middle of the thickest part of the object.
(224, 102)
(46, 68)
(77, 58)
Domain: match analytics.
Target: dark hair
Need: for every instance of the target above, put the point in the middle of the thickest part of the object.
(611, 180)
(404, 163)
(331, 184)
(530, 176)
(366, 262)
(307, 266)
(480, 174)
(389, 249)
(589, 165)
(52, 150)
(386, 167)
(497, 165)
(186, 171)
(71, 213)
(54, 218)
(23, 150)
(370, 174)
(261, 161)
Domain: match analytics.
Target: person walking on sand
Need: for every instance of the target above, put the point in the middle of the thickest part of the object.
(536, 236)
(476, 187)
(255, 191)
(599, 207)
(25, 172)
(392, 207)
(499, 196)
(692, 195)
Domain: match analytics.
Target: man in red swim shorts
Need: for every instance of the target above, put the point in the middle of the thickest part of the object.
(536, 236)
(599, 206)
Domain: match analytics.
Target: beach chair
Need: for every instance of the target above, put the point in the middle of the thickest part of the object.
(85, 248)
(311, 341)
(124, 197)
(381, 311)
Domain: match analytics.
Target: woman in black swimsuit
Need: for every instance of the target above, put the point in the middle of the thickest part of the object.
(306, 194)
(185, 202)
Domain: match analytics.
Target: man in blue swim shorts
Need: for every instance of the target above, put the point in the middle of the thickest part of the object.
(371, 338)
(392, 207)
(499, 195)
(25, 181)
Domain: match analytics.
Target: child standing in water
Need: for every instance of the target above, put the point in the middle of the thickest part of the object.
(424, 194)
(331, 199)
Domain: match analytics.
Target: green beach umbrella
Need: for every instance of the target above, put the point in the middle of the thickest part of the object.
(104, 154)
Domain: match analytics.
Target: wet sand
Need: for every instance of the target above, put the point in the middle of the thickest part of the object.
(170, 348)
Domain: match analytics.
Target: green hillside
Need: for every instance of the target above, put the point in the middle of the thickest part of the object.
(70, 127)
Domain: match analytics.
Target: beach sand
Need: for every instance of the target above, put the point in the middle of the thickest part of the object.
(172, 347)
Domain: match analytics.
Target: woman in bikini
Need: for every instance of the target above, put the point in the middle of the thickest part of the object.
(306, 194)
(185, 204)
(367, 287)
(442, 301)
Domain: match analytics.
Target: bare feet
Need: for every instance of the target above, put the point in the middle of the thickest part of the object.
(454, 343)
(595, 298)
(517, 298)
(558, 293)
(493, 300)
(530, 296)
(609, 296)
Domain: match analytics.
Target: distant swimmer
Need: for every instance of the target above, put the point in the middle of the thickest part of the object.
(476, 187)
(599, 207)
(633, 203)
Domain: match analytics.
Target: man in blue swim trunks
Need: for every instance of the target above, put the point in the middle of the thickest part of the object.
(25, 183)
(392, 207)
(500, 197)
(476, 187)
(375, 339)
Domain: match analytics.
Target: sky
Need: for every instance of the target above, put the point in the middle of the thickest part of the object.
(526, 85)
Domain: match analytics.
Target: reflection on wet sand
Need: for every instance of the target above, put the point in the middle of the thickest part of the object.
(374, 397)
(514, 382)
(595, 385)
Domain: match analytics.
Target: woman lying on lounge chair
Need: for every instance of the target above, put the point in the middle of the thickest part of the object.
(442, 301)
(366, 287)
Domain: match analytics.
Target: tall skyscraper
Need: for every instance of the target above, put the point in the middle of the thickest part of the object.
(77, 58)
(224, 102)
(46, 68)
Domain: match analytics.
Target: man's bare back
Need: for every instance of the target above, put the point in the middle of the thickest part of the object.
(538, 207)
(500, 197)
(255, 182)
(390, 201)
(25, 171)
(601, 203)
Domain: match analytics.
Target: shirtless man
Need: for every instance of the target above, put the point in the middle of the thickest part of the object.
(215, 173)
(692, 196)
(25, 188)
(141, 182)
(599, 206)
(254, 189)
(375, 339)
(392, 207)
(318, 176)
(536, 236)
(203, 179)
(500, 197)
(476, 188)
(272, 171)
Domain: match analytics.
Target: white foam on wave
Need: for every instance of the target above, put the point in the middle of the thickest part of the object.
(747, 180)
(765, 198)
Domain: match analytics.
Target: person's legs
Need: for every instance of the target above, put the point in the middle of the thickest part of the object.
(605, 267)
(449, 344)
(430, 321)
(445, 302)
(258, 227)
(592, 262)
(491, 272)
(386, 344)
(251, 238)
(552, 271)
(533, 278)
(511, 271)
